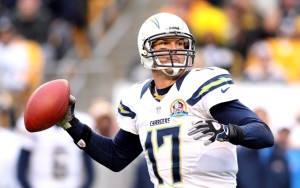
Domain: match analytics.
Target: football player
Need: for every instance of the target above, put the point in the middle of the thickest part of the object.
(50, 159)
(186, 121)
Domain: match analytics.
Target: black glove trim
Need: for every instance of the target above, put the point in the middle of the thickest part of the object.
(85, 135)
(236, 134)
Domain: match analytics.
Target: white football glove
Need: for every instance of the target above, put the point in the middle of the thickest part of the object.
(64, 122)
(209, 130)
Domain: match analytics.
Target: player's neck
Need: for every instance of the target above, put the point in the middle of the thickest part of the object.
(162, 81)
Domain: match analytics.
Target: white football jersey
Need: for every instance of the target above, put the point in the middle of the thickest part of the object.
(175, 159)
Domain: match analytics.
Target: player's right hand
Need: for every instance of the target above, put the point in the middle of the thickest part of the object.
(64, 122)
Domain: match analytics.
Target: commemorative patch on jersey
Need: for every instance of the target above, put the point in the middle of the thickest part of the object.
(178, 108)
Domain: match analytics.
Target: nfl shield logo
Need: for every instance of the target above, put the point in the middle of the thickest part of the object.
(158, 110)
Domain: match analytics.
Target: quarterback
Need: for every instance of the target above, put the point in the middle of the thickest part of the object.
(186, 120)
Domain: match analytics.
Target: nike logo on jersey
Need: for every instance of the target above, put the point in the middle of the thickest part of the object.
(224, 90)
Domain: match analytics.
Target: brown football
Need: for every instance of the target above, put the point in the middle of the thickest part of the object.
(47, 105)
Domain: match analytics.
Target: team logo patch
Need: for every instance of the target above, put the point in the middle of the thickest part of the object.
(178, 108)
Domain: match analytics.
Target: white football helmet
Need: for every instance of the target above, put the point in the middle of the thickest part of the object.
(165, 25)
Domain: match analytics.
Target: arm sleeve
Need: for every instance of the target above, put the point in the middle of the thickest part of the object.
(256, 134)
(114, 153)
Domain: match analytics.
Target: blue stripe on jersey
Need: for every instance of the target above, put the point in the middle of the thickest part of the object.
(125, 111)
(209, 86)
(145, 87)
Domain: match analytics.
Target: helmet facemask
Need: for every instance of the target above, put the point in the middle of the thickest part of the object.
(171, 54)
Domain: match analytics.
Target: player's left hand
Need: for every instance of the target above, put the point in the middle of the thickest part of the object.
(210, 130)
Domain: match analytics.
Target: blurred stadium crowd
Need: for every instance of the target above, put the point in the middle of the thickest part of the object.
(258, 42)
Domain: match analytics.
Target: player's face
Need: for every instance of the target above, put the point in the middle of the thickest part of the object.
(170, 44)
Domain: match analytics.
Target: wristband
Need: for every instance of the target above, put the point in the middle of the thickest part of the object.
(236, 135)
(85, 137)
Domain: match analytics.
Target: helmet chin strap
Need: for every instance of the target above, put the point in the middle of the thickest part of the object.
(176, 71)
